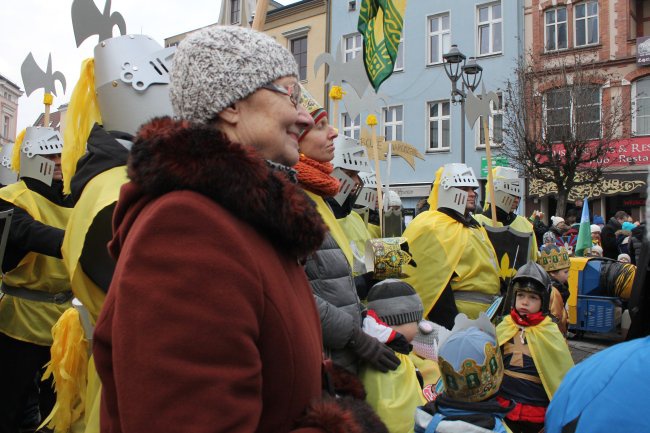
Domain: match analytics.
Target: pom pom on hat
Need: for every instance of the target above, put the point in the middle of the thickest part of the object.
(217, 66)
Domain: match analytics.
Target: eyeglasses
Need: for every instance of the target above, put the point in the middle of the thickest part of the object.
(293, 92)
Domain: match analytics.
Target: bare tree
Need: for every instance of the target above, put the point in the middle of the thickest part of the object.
(559, 128)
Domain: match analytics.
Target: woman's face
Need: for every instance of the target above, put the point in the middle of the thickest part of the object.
(270, 122)
(318, 143)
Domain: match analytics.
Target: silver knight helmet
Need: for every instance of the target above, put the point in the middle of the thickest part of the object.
(454, 177)
(132, 81)
(39, 141)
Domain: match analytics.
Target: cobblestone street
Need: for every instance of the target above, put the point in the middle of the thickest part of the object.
(591, 343)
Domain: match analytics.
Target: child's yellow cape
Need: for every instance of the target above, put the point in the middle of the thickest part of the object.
(394, 395)
(547, 347)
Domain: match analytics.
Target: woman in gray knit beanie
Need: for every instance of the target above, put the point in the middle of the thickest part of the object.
(209, 323)
(244, 83)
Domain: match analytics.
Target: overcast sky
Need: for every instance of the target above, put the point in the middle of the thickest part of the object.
(44, 26)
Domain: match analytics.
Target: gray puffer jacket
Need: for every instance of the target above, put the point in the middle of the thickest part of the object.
(339, 307)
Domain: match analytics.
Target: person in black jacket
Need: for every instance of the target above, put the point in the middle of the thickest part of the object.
(608, 235)
(635, 243)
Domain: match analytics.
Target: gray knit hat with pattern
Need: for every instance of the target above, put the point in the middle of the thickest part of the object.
(219, 65)
(395, 302)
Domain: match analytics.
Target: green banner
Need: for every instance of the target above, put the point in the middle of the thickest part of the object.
(380, 24)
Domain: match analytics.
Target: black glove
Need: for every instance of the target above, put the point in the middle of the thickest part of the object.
(373, 351)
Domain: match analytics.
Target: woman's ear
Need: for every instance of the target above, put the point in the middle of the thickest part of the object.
(231, 114)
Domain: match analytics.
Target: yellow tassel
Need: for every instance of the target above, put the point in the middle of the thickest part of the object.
(371, 120)
(48, 99)
(15, 152)
(336, 93)
(83, 113)
(69, 366)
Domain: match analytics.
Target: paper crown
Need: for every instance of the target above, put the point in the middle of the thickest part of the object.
(386, 257)
(470, 362)
(554, 258)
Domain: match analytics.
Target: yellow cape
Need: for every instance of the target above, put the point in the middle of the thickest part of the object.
(547, 347)
(438, 253)
(335, 229)
(394, 395)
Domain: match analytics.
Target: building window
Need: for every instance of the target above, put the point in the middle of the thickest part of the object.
(641, 106)
(5, 127)
(572, 114)
(393, 123)
(351, 127)
(586, 23)
(556, 29)
(235, 11)
(439, 38)
(489, 29)
(299, 51)
(495, 125)
(639, 18)
(351, 46)
(439, 126)
(399, 60)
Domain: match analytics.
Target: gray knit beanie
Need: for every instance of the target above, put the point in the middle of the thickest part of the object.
(219, 65)
(395, 302)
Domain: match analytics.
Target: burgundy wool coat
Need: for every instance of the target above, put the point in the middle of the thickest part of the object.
(209, 324)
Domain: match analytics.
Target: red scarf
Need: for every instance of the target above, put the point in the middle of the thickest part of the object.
(527, 319)
(315, 176)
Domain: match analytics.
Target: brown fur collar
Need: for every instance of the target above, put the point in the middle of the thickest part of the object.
(170, 155)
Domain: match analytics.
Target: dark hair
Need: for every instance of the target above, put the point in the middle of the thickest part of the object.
(621, 214)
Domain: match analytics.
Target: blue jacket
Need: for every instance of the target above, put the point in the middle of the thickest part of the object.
(592, 396)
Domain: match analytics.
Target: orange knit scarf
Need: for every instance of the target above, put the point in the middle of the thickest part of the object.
(315, 176)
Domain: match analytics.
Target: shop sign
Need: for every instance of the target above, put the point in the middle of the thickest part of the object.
(643, 50)
(497, 161)
(634, 202)
(622, 153)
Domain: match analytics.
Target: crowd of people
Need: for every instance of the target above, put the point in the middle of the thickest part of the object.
(213, 229)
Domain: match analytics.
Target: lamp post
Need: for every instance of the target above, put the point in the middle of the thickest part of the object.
(470, 74)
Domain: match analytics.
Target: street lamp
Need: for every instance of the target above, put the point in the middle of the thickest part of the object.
(470, 74)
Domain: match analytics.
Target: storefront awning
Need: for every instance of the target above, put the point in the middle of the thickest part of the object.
(611, 184)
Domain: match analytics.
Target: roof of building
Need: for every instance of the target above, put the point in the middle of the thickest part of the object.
(2, 77)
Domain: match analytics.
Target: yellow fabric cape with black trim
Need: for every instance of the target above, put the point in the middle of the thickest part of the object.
(335, 229)
(101, 191)
(438, 243)
(23, 319)
(547, 347)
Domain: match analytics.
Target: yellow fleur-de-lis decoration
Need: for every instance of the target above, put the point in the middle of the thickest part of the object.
(505, 271)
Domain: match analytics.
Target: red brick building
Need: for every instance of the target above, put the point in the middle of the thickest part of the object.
(614, 37)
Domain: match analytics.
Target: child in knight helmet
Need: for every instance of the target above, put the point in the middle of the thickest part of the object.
(394, 395)
(472, 369)
(535, 354)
